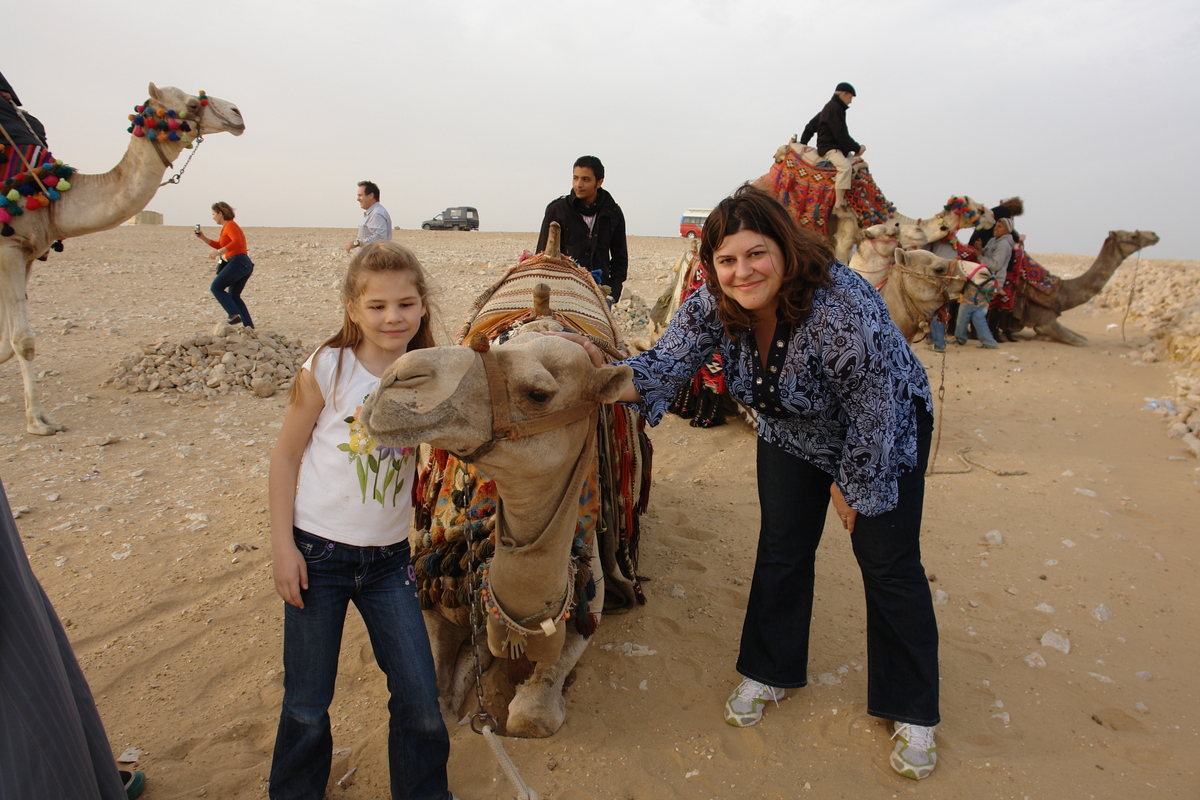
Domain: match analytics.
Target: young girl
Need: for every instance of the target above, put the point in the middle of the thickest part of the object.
(340, 513)
(231, 278)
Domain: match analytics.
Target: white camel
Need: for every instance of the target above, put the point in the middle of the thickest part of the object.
(94, 203)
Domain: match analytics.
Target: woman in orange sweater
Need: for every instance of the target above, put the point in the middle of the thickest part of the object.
(235, 270)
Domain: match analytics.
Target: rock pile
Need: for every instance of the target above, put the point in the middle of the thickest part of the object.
(231, 359)
(1166, 303)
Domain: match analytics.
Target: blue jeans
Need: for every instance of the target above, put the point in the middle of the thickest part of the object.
(977, 316)
(902, 636)
(383, 586)
(937, 333)
(227, 286)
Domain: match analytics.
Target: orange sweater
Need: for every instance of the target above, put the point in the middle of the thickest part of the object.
(232, 239)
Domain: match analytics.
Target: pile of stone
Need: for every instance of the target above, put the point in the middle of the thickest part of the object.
(231, 359)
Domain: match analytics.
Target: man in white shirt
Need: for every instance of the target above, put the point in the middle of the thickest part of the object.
(377, 223)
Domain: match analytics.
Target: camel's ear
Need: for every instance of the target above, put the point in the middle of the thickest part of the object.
(154, 93)
(609, 381)
(899, 258)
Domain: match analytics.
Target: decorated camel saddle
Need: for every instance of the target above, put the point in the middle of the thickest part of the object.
(457, 505)
(805, 187)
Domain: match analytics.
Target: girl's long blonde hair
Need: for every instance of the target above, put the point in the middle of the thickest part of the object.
(377, 257)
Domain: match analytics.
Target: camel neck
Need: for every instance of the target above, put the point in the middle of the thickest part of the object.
(100, 202)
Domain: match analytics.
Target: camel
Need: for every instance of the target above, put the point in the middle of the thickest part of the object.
(94, 203)
(1038, 309)
(523, 415)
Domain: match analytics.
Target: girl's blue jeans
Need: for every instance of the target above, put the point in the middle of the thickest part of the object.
(382, 585)
(228, 285)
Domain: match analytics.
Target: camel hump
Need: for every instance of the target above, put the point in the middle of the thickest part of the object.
(554, 241)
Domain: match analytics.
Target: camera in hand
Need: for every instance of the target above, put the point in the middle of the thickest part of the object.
(197, 230)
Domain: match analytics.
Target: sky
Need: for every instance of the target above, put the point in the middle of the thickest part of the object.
(1088, 111)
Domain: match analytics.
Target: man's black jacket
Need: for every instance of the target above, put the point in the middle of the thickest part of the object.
(830, 128)
(602, 248)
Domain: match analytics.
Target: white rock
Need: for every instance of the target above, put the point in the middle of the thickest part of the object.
(130, 756)
(1144, 675)
(1068, 543)
(1003, 717)
(1084, 492)
(1057, 641)
(1141, 708)
(1102, 613)
(1101, 678)
(993, 537)
(1035, 660)
(60, 561)
(1068, 474)
(828, 679)
(1045, 608)
(940, 598)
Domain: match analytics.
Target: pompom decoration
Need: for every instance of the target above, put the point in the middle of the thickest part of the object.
(53, 195)
(63, 185)
(173, 136)
(14, 195)
(174, 124)
(26, 189)
(170, 112)
(137, 131)
(152, 134)
(4, 215)
(31, 204)
(50, 180)
(7, 230)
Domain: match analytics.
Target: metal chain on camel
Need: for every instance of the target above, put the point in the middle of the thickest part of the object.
(960, 452)
(482, 722)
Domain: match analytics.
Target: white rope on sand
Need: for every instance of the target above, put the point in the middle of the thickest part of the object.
(510, 769)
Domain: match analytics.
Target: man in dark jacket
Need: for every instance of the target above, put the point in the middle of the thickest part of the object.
(593, 227)
(23, 130)
(834, 143)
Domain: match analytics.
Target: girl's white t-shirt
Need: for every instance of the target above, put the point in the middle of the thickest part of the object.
(351, 489)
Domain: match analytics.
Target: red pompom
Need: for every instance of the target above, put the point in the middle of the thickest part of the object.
(31, 203)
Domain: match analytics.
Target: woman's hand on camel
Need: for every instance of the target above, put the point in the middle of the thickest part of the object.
(214, 254)
(587, 344)
(291, 575)
(845, 513)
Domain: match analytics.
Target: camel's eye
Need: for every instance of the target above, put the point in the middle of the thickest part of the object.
(538, 396)
(193, 104)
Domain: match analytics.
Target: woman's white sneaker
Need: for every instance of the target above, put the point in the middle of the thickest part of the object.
(745, 706)
(915, 754)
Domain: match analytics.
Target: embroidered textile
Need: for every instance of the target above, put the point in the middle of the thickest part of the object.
(808, 193)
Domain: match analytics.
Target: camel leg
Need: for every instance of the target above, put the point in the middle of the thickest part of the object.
(847, 235)
(446, 638)
(1060, 333)
(539, 708)
(19, 339)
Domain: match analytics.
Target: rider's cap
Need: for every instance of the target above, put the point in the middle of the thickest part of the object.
(845, 87)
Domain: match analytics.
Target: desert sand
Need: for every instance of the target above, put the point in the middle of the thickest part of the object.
(180, 638)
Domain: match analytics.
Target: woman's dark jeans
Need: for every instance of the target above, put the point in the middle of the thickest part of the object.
(902, 637)
(233, 277)
(383, 586)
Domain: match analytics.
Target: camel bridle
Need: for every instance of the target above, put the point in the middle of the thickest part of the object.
(909, 301)
(503, 426)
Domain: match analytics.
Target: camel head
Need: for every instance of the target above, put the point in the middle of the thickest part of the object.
(1129, 243)
(440, 395)
(927, 277)
(958, 213)
(906, 236)
(214, 114)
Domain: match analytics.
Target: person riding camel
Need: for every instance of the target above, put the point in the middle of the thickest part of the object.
(834, 143)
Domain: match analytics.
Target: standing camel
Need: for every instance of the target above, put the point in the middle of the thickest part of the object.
(94, 203)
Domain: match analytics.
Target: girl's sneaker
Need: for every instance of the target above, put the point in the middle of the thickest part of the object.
(745, 706)
(915, 754)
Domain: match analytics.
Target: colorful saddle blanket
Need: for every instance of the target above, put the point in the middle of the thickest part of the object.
(455, 502)
(808, 193)
(1031, 279)
(23, 189)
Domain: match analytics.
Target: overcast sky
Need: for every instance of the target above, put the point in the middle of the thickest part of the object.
(1088, 110)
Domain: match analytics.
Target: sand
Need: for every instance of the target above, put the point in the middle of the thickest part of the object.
(181, 638)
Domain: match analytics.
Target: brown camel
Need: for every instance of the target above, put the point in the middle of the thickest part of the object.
(1034, 308)
(94, 203)
(524, 414)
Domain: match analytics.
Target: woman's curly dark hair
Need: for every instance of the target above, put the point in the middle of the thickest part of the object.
(807, 257)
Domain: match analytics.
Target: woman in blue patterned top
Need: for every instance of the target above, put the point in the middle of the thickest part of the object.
(844, 414)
